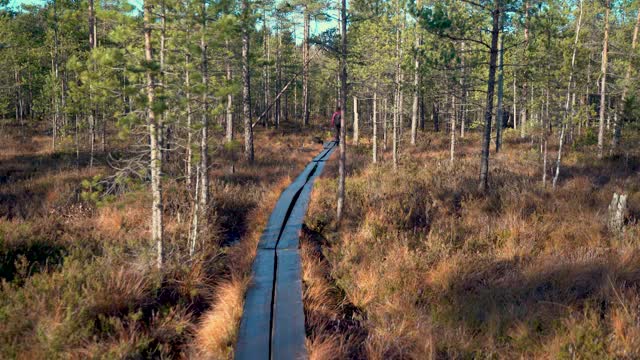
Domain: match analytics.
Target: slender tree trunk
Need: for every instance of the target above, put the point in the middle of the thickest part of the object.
(103, 138)
(343, 102)
(544, 162)
(265, 68)
(305, 67)
(397, 101)
(463, 86)
(204, 132)
(278, 110)
(436, 119)
(356, 122)
(187, 82)
(452, 149)
(385, 125)
(77, 141)
(93, 114)
(500, 112)
(375, 123)
(416, 82)
(617, 132)
(603, 86)
(246, 88)
(567, 103)
(295, 101)
(486, 140)
(56, 76)
(160, 90)
(525, 85)
(422, 113)
(229, 110)
(156, 160)
(515, 103)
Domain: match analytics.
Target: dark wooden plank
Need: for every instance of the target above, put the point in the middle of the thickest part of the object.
(321, 155)
(284, 313)
(269, 237)
(254, 332)
(291, 233)
(288, 337)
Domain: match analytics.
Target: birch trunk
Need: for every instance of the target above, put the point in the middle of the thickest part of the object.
(568, 101)
(356, 122)
(229, 110)
(416, 82)
(515, 102)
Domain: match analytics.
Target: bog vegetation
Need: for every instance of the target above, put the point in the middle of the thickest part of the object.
(483, 203)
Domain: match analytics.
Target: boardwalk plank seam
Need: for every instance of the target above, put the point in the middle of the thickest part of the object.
(272, 324)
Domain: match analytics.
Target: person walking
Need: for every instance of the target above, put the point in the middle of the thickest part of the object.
(335, 122)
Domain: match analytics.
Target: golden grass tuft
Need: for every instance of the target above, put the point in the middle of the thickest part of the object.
(216, 333)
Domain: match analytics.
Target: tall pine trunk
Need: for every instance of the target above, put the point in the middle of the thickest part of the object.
(305, 68)
(155, 164)
(343, 103)
(246, 85)
(92, 115)
(486, 140)
(525, 86)
(500, 110)
(265, 67)
(200, 209)
(603, 80)
(397, 109)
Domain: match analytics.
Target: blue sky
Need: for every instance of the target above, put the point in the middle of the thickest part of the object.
(316, 26)
(17, 3)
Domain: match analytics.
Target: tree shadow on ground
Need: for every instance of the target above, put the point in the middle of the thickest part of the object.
(495, 298)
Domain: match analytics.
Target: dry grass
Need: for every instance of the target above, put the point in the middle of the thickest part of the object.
(78, 276)
(217, 330)
(275, 168)
(439, 270)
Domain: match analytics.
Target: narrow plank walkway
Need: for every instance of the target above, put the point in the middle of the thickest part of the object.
(272, 325)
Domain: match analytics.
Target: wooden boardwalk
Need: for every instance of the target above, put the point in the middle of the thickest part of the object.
(272, 325)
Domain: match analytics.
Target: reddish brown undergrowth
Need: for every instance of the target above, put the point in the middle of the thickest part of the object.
(438, 270)
(78, 273)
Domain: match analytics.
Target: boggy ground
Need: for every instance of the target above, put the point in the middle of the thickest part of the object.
(425, 266)
(77, 271)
